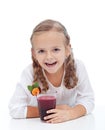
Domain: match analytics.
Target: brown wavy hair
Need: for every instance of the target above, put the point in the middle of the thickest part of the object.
(70, 79)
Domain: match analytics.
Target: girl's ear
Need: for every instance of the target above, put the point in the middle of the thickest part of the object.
(33, 53)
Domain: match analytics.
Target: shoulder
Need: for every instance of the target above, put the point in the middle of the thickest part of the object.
(28, 69)
(80, 67)
(27, 73)
(79, 64)
(81, 71)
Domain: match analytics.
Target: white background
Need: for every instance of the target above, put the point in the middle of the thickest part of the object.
(85, 22)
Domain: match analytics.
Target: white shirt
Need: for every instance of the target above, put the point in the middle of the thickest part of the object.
(80, 94)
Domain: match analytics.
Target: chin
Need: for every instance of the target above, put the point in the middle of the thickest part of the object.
(51, 71)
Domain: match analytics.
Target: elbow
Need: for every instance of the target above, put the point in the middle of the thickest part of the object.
(89, 107)
(16, 113)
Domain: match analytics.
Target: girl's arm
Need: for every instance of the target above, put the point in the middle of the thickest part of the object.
(76, 111)
(64, 113)
(32, 112)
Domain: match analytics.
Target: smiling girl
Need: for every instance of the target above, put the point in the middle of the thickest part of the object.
(56, 70)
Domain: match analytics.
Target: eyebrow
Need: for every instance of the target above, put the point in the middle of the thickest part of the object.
(45, 48)
(39, 49)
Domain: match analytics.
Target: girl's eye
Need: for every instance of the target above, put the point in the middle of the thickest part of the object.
(41, 51)
(56, 50)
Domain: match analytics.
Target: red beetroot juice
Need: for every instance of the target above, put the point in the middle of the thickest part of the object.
(45, 103)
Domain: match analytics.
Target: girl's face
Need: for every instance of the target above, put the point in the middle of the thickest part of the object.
(50, 51)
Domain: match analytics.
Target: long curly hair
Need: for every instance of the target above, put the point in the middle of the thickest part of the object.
(70, 79)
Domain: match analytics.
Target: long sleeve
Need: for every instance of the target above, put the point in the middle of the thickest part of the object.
(22, 97)
(85, 94)
(18, 103)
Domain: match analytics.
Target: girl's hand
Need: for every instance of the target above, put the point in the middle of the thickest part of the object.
(65, 113)
(60, 114)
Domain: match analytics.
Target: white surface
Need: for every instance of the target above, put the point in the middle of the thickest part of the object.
(85, 123)
(94, 121)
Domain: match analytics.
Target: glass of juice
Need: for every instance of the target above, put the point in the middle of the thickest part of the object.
(45, 102)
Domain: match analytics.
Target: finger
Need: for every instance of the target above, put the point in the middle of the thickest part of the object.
(54, 120)
(52, 111)
(50, 116)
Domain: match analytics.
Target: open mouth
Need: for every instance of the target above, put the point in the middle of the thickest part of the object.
(51, 64)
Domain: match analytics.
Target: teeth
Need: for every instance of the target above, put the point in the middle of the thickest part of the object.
(50, 63)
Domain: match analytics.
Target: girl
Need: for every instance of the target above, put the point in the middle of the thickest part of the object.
(55, 69)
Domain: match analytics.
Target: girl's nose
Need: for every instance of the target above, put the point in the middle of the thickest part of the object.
(49, 55)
